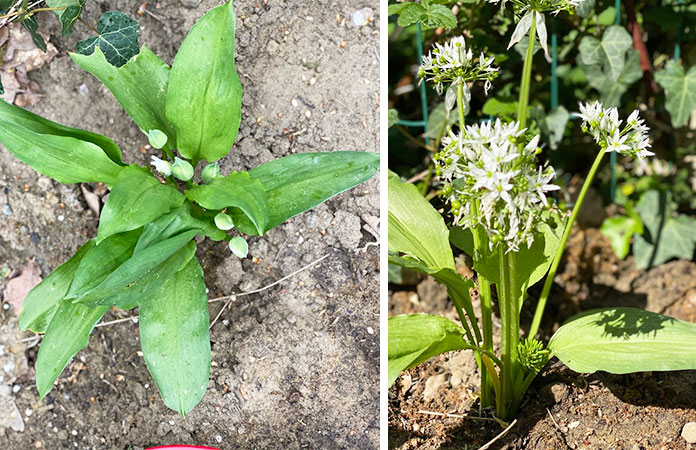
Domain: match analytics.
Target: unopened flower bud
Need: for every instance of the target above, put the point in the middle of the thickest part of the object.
(224, 222)
(239, 247)
(161, 166)
(182, 169)
(157, 138)
(210, 172)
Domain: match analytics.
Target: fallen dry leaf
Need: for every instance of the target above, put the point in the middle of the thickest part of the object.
(18, 287)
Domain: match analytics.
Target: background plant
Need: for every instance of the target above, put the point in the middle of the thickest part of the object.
(144, 252)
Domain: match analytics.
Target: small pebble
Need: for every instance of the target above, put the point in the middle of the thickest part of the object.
(5, 306)
(218, 438)
(15, 388)
(61, 218)
(689, 432)
(6, 210)
(83, 89)
(74, 432)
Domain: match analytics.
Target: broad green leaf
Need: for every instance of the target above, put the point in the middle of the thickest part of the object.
(531, 263)
(500, 106)
(175, 340)
(131, 272)
(417, 338)
(439, 120)
(31, 24)
(117, 38)
(21, 118)
(620, 230)
(609, 52)
(127, 296)
(553, 126)
(101, 260)
(297, 183)
(137, 198)
(585, 8)
(416, 229)
(67, 334)
(398, 8)
(625, 340)
(185, 218)
(204, 97)
(680, 90)
(392, 117)
(68, 15)
(237, 190)
(607, 17)
(42, 301)
(439, 16)
(668, 235)
(611, 91)
(412, 14)
(140, 86)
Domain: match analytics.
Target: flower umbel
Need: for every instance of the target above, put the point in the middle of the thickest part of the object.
(605, 127)
(451, 62)
(494, 181)
(163, 167)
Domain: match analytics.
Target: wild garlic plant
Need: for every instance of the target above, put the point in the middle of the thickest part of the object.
(144, 252)
(497, 196)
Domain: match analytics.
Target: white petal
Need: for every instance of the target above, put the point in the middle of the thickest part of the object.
(523, 26)
(541, 32)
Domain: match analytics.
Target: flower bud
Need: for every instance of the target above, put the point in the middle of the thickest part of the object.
(182, 169)
(239, 247)
(224, 222)
(210, 172)
(161, 166)
(157, 138)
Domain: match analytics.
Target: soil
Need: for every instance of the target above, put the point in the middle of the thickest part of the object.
(434, 406)
(293, 367)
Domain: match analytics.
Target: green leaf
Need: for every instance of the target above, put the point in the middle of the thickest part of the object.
(174, 337)
(607, 17)
(185, 218)
(414, 13)
(42, 301)
(31, 24)
(553, 126)
(439, 16)
(19, 117)
(668, 235)
(585, 8)
(67, 334)
(620, 230)
(136, 199)
(55, 151)
(204, 97)
(393, 117)
(531, 263)
(500, 106)
(438, 118)
(398, 8)
(625, 340)
(237, 190)
(611, 91)
(609, 52)
(101, 260)
(140, 86)
(117, 38)
(297, 183)
(131, 273)
(417, 338)
(69, 15)
(680, 90)
(416, 229)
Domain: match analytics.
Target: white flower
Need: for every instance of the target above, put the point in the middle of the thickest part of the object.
(605, 127)
(452, 62)
(161, 166)
(486, 165)
(617, 143)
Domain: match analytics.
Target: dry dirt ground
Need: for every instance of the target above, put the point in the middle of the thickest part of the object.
(563, 409)
(294, 367)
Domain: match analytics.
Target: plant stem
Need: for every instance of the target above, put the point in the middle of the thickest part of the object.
(508, 345)
(522, 107)
(561, 246)
(21, 12)
(88, 25)
(460, 105)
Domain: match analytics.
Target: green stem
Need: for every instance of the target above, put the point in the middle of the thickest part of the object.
(561, 247)
(168, 154)
(509, 334)
(522, 107)
(460, 105)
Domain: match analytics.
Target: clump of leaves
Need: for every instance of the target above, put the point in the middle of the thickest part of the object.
(144, 252)
(429, 13)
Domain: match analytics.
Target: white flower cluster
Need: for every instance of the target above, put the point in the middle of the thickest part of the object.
(492, 178)
(453, 63)
(605, 126)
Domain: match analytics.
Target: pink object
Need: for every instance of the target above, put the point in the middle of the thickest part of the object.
(180, 447)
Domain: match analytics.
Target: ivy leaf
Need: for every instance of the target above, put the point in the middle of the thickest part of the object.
(438, 118)
(620, 230)
(585, 8)
(32, 26)
(668, 235)
(392, 116)
(500, 106)
(610, 52)
(680, 90)
(611, 91)
(117, 39)
(69, 15)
